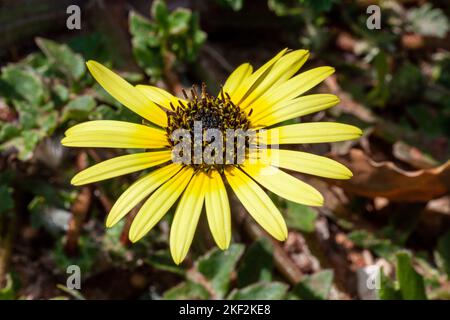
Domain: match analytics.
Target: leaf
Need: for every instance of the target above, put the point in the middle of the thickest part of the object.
(411, 283)
(162, 260)
(179, 21)
(381, 247)
(25, 83)
(160, 13)
(6, 200)
(144, 31)
(387, 289)
(187, 290)
(385, 179)
(428, 21)
(27, 144)
(300, 217)
(406, 85)
(63, 58)
(8, 131)
(443, 249)
(260, 291)
(7, 292)
(315, 287)
(236, 5)
(79, 108)
(218, 265)
(257, 263)
(319, 5)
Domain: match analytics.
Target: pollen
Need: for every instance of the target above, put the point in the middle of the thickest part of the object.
(212, 113)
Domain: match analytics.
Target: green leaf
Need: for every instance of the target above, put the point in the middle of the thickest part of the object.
(6, 200)
(257, 263)
(236, 5)
(314, 287)
(411, 283)
(381, 247)
(144, 32)
(387, 290)
(162, 260)
(218, 265)
(160, 13)
(25, 83)
(63, 58)
(443, 249)
(428, 21)
(8, 131)
(30, 139)
(179, 21)
(260, 291)
(300, 217)
(61, 93)
(8, 292)
(318, 5)
(187, 290)
(79, 108)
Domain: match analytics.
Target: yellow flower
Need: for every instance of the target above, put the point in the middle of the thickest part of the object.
(248, 101)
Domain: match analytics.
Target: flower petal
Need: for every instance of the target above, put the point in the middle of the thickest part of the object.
(257, 203)
(295, 86)
(160, 96)
(139, 191)
(306, 163)
(159, 203)
(127, 94)
(252, 81)
(283, 184)
(186, 218)
(291, 109)
(311, 132)
(119, 166)
(237, 77)
(114, 134)
(218, 210)
(282, 70)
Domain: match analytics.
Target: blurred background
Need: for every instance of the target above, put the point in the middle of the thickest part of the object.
(393, 216)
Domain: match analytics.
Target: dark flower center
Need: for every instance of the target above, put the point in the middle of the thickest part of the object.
(204, 112)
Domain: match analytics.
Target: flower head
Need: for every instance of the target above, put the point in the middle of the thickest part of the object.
(200, 142)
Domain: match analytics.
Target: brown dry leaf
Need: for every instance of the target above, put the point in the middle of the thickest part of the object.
(384, 179)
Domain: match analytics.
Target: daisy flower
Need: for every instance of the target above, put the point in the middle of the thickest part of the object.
(250, 102)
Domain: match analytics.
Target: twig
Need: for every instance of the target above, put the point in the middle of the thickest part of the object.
(170, 77)
(79, 210)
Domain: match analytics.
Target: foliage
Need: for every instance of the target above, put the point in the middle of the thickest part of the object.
(170, 33)
(393, 82)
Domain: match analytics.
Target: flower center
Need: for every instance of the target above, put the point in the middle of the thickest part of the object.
(207, 132)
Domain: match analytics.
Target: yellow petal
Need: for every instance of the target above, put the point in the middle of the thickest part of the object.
(291, 109)
(311, 132)
(257, 203)
(237, 77)
(160, 96)
(139, 191)
(218, 210)
(252, 81)
(127, 94)
(295, 86)
(186, 218)
(306, 163)
(283, 184)
(282, 70)
(159, 203)
(114, 134)
(119, 166)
